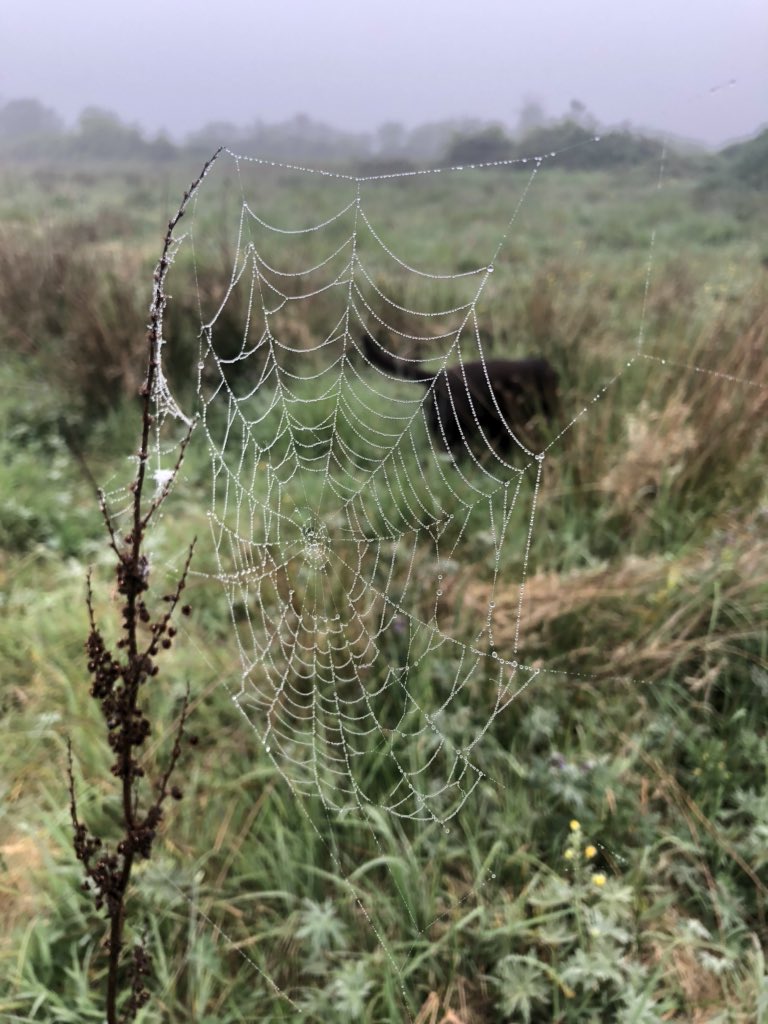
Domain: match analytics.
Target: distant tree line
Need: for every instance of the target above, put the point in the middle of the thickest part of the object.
(746, 162)
(31, 131)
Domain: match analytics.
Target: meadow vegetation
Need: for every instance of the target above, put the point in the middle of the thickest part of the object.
(616, 869)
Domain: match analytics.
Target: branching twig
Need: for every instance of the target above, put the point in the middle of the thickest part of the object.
(118, 678)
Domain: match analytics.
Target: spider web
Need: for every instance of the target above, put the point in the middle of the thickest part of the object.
(339, 502)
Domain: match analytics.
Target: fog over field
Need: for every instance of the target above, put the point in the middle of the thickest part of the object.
(452, 368)
(698, 72)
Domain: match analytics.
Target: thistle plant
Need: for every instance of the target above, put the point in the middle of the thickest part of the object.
(121, 676)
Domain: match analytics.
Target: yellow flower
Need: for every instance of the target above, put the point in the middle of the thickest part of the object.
(599, 879)
(574, 825)
(569, 854)
(589, 852)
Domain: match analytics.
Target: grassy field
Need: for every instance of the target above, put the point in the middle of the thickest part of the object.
(612, 862)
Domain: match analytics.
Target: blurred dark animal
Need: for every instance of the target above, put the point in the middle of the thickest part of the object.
(487, 401)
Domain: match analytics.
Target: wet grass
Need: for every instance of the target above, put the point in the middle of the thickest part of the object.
(643, 623)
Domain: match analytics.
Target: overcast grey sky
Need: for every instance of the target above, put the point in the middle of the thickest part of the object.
(356, 63)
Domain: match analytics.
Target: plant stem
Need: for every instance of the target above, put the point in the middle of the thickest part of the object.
(117, 679)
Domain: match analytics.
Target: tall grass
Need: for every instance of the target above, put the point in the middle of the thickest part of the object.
(644, 611)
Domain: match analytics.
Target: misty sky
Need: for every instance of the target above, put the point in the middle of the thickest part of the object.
(169, 64)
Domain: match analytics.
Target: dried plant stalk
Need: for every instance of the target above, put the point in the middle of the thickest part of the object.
(119, 677)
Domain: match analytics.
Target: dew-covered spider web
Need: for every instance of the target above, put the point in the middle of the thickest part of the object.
(359, 445)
